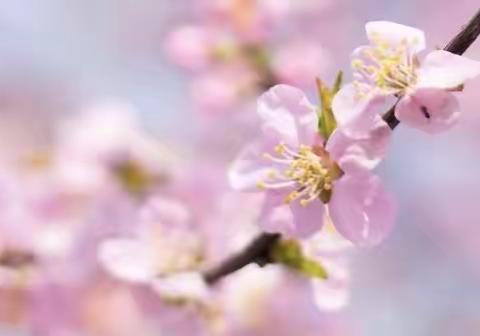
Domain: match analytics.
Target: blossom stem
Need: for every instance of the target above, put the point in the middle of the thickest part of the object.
(458, 45)
(259, 250)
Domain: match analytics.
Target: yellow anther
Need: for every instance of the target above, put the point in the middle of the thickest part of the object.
(290, 197)
(357, 63)
(371, 69)
(279, 149)
(272, 173)
(307, 173)
(260, 185)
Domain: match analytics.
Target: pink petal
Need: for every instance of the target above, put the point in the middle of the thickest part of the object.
(442, 69)
(356, 115)
(250, 167)
(286, 111)
(361, 210)
(362, 153)
(395, 33)
(294, 220)
(308, 219)
(430, 110)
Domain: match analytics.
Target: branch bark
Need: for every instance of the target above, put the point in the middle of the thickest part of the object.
(258, 251)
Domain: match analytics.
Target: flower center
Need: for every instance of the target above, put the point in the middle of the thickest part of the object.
(308, 171)
(178, 251)
(390, 68)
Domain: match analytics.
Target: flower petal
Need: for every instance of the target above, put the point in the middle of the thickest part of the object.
(186, 286)
(286, 112)
(363, 152)
(308, 219)
(250, 167)
(294, 220)
(356, 116)
(395, 33)
(128, 259)
(430, 110)
(361, 210)
(442, 69)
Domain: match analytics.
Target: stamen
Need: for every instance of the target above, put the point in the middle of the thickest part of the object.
(308, 173)
(390, 68)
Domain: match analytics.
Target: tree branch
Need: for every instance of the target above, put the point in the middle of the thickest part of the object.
(258, 251)
(458, 45)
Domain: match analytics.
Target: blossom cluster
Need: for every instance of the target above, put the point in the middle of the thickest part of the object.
(106, 217)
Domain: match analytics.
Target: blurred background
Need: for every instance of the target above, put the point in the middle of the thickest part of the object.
(59, 59)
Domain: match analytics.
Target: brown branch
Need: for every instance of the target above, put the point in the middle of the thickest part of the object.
(258, 251)
(458, 45)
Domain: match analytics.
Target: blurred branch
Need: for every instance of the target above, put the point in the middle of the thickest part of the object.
(259, 250)
(458, 45)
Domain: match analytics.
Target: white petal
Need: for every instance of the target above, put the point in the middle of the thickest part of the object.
(128, 259)
(188, 285)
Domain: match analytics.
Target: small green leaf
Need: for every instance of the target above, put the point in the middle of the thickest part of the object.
(326, 119)
(290, 254)
(338, 83)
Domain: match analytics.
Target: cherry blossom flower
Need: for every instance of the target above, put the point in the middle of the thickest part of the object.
(304, 178)
(390, 66)
(105, 145)
(163, 244)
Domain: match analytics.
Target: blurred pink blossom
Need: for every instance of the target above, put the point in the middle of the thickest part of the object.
(190, 47)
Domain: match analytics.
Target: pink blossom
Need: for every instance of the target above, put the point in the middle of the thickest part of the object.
(190, 47)
(96, 146)
(222, 88)
(299, 62)
(333, 252)
(274, 301)
(301, 177)
(163, 243)
(389, 66)
(251, 20)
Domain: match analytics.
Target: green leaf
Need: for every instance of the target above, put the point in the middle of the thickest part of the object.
(338, 83)
(326, 120)
(290, 254)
